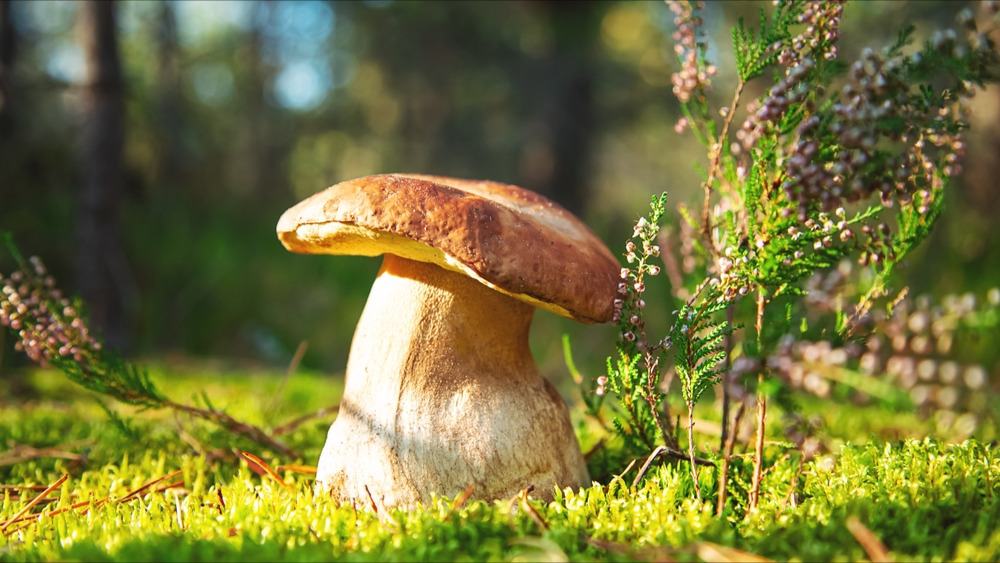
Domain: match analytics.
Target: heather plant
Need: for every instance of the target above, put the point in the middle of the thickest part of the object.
(52, 331)
(829, 181)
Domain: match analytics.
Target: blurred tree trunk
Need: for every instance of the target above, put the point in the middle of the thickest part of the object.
(254, 165)
(7, 46)
(168, 97)
(101, 268)
(556, 158)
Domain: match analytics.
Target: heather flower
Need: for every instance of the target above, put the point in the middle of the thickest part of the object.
(694, 78)
(908, 348)
(48, 325)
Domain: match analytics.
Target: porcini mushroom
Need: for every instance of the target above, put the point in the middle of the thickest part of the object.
(441, 390)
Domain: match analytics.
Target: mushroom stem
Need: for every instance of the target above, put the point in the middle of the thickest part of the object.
(441, 393)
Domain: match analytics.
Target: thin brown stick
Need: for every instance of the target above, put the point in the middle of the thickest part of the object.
(169, 486)
(371, 499)
(667, 451)
(628, 468)
(645, 466)
(694, 466)
(758, 462)
(522, 497)
(254, 460)
(291, 426)
(229, 423)
(461, 499)
(709, 551)
(724, 433)
(597, 446)
(23, 487)
(35, 501)
(293, 365)
(23, 452)
(49, 514)
(791, 488)
(716, 152)
(728, 342)
(97, 504)
(296, 468)
(876, 550)
(726, 457)
(139, 490)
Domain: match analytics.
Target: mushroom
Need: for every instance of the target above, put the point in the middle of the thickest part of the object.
(441, 390)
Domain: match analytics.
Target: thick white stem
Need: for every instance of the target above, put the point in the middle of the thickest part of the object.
(441, 393)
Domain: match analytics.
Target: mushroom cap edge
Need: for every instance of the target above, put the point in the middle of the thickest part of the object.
(508, 238)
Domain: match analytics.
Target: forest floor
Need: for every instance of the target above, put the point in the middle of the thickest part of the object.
(87, 481)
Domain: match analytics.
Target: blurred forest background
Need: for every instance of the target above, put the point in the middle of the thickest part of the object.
(147, 149)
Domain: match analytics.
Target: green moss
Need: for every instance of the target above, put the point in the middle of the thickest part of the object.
(925, 499)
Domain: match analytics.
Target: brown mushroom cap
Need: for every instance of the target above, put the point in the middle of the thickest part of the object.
(510, 239)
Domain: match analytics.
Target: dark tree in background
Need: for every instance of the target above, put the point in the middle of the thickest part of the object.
(6, 53)
(168, 112)
(102, 270)
(561, 105)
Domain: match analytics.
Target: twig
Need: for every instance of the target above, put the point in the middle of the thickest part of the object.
(229, 423)
(291, 426)
(791, 488)
(23, 452)
(293, 365)
(47, 514)
(522, 498)
(627, 468)
(730, 312)
(371, 499)
(726, 457)
(716, 150)
(188, 438)
(694, 466)
(645, 466)
(725, 430)
(296, 468)
(254, 460)
(461, 499)
(758, 462)
(593, 450)
(708, 551)
(876, 550)
(35, 501)
(136, 492)
(664, 450)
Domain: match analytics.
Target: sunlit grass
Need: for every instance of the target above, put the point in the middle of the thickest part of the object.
(160, 487)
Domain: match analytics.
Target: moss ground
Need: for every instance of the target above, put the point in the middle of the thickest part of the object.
(867, 498)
